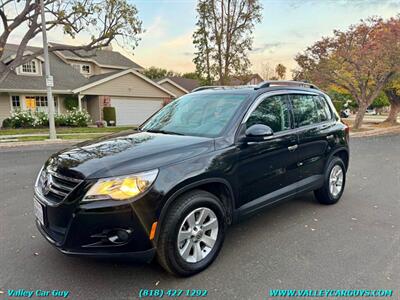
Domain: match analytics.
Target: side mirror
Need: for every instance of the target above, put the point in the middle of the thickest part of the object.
(258, 132)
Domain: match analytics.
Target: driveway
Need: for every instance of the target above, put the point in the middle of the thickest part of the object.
(296, 245)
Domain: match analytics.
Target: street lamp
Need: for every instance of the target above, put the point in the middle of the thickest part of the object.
(49, 78)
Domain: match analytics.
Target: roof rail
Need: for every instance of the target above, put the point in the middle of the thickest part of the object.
(206, 87)
(222, 87)
(269, 83)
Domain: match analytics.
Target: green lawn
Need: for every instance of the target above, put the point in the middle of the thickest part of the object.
(64, 130)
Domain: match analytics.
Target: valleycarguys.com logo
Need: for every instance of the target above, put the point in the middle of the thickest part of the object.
(21, 293)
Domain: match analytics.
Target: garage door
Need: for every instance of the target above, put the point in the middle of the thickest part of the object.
(134, 111)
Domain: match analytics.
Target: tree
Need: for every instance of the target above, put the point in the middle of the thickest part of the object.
(191, 75)
(267, 71)
(105, 21)
(280, 71)
(201, 38)
(158, 73)
(361, 60)
(224, 37)
(392, 92)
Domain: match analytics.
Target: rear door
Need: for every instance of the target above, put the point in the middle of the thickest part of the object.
(268, 167)
(314, 124)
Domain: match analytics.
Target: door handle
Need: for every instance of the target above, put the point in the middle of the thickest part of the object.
(292, 148)
(329, 137)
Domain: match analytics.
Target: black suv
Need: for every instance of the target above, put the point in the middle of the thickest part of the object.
(199, 164)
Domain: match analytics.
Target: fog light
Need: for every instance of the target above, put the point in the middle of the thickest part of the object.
(119, 236)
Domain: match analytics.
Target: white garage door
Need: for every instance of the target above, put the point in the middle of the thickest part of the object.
(133, 111)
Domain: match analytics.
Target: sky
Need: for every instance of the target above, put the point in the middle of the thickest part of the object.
(287, 28)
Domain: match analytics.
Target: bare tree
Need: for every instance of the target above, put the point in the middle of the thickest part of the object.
(227, 27)
(105, 21)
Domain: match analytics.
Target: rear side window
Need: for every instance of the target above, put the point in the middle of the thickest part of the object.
(273, 112)
(309, 109)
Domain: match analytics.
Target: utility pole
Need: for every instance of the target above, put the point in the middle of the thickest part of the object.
(49, 78)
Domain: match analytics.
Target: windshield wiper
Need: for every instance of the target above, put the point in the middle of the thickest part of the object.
(163, 132)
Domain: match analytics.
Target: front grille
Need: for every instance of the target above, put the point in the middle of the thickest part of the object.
(55, 187)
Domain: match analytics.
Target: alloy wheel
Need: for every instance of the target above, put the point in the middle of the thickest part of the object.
(197, 235)
(336, 180)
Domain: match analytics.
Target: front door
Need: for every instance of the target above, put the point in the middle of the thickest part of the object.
(268, 167)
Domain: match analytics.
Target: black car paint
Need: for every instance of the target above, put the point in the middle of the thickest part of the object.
(254, 174)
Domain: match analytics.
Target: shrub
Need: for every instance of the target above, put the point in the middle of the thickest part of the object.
(22, 119)
(60, 120)
(380, 101)
(7, 123)
(76, 118)
(41, 119)
(71, 102)
(109, 115)
(338, 105)
(26, 118)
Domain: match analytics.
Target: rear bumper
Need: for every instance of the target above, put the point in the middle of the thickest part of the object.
(142, 256)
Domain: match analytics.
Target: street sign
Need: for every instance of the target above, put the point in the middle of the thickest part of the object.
(49, 81)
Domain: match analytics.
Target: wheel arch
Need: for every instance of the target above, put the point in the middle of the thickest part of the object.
(219, 187)
(343, 153)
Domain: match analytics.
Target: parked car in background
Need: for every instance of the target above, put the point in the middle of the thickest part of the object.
(370, 111)
(345, 113)
(198, 165)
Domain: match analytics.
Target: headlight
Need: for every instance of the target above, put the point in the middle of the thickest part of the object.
(121, 188)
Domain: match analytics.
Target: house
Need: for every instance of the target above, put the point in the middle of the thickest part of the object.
(179, 85)
(98, 78)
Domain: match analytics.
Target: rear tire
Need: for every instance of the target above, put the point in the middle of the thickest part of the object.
(334, 182)
(199, 240)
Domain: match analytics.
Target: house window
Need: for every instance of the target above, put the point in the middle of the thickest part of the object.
(41, 101)
(15, 102)
(85, 69)
(30, 68)
(38, 103)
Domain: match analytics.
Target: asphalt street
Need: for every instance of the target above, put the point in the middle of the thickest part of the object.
(299, 244)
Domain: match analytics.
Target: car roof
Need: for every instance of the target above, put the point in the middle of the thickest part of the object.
(261, 88)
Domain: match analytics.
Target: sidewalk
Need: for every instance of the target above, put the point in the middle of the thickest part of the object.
(11, 144)
(373, 131)
(16, 136)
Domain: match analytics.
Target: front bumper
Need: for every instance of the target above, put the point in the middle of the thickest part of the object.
(76, 229)
(142, 256)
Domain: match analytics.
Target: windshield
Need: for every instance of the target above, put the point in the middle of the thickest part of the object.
(196, 114)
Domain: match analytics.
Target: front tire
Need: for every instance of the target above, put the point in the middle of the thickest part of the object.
(193, 233)
(334, 182)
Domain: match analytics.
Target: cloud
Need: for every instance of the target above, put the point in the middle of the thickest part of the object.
(267, 46)
(179, 42)
(158, 28)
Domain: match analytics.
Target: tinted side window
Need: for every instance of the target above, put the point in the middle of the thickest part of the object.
(273, 112)
(323, 109)
(309, 109)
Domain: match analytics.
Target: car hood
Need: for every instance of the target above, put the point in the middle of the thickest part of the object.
(126, 153)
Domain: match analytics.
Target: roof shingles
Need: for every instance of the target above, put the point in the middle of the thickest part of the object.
(66, 78)
(187, 84)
